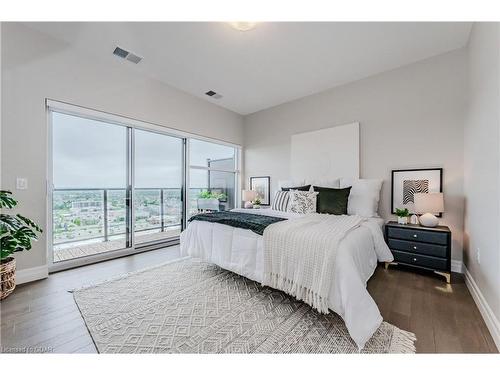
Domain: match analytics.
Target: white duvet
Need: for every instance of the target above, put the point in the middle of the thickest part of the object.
(241, 251)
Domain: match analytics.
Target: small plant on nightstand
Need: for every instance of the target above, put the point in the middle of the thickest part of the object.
(402, 214)
(256, 203)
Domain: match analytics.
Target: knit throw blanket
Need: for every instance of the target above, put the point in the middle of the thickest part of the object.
(299, 255)
(255, 223)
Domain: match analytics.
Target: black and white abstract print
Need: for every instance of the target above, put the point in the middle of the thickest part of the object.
(411, 187)
(408, 182)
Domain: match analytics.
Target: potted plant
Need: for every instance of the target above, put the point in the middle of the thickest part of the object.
(256, 202)
(16, 234)
(402, 214)
(208, 201)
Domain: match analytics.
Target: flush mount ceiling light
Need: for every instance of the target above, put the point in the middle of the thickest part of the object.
(243, 26)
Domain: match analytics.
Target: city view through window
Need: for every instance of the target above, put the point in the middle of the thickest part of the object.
(89, 208)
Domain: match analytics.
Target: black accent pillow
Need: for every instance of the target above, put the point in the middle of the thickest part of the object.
(332, 201)
(299, 188)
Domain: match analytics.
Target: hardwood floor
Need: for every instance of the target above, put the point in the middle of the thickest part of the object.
(443, 316)
(42, 316)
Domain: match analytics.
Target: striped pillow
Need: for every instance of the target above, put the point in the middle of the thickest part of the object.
(281, 201)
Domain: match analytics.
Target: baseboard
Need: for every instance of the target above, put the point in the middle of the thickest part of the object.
(457, 266)
(489, 317)
(31, 274)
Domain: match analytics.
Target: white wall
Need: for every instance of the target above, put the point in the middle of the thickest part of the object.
(410, 117)
(441, 112)
(482, 167)
(1, 26)
(35, 67)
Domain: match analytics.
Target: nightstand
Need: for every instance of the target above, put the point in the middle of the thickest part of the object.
(420, 247)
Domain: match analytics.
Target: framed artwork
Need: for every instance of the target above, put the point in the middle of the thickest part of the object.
(407, 182)
(262, 186)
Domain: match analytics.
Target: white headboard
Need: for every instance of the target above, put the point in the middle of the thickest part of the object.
(326, 153)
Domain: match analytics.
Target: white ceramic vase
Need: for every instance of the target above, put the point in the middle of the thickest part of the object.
(402, 220)
(429, 220)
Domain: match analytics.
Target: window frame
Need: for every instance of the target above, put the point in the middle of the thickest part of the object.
(236, 171)
(131, 124)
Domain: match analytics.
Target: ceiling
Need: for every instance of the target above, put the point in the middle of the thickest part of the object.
(269, 65)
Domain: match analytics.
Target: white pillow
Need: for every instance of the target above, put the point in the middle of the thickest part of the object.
(281, 201)
(364, 196)
(302, 202)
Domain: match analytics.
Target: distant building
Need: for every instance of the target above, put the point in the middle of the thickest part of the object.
(86, 204)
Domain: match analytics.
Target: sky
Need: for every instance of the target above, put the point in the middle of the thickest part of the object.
(92, 154)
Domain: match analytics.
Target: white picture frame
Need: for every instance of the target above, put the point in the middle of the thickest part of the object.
(261, 184)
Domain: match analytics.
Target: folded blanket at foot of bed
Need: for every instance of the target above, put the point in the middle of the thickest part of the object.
(299, 255)
(255, 223)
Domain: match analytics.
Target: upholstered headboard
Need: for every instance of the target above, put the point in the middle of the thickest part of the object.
(326, 153)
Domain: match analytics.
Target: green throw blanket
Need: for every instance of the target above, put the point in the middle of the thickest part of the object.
(256, 223)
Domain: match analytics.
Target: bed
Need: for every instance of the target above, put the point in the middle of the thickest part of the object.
(242, 251)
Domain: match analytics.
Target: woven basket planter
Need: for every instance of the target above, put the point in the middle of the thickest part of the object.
(7, 277)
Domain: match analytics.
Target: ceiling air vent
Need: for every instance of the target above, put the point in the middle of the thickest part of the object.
(134, 58)
(120, 52)
(213, 94)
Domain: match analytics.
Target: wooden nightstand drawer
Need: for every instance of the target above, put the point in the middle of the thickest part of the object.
(418, 247)
(418, 235)
(420, 260)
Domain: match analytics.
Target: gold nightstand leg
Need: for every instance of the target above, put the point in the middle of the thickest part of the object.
(446, 275)
(387, 264)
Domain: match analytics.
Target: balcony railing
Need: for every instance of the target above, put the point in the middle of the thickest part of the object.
(84, 214)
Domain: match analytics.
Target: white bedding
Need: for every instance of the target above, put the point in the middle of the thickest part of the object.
(241, 251)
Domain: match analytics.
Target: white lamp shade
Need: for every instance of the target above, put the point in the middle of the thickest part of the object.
(429, 203)
(248, 195)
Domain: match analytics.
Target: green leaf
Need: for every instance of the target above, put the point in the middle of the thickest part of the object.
(6, 201)
(402, 212)
(17, 232)
(30, 223)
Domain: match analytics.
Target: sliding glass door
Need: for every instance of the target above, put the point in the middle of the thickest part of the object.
(212, 177)
(116, 186)
(158, 161)
(89, 187)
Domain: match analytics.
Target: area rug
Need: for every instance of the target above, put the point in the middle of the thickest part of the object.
(189, 306)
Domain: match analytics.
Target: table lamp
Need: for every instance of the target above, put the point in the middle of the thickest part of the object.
(428, 204)
(248, 196)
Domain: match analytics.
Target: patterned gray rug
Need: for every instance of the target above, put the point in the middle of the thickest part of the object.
(193, 307)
